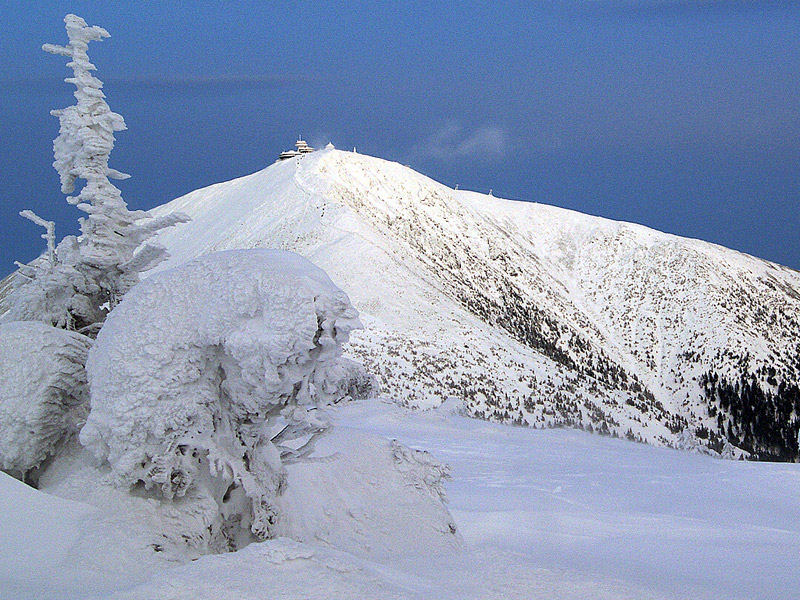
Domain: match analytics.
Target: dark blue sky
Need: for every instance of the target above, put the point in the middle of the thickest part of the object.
(681, 115)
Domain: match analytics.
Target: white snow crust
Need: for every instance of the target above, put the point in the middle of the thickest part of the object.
(43, 393)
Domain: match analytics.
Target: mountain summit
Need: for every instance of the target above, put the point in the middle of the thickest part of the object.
(525, 312)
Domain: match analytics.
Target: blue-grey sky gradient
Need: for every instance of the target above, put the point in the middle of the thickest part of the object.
(683, 115)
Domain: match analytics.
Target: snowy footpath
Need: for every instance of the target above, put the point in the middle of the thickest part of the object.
(543, 514)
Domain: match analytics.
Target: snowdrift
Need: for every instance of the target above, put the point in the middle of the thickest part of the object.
(590, 517)
(371, 498)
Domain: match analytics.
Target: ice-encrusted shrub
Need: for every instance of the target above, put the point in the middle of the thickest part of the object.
(204, 381)
(352, 380)
(43, 393)
(372, 498)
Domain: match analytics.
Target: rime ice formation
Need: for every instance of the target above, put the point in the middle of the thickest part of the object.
(80, 280)
(43, 394)
(86, 138)
(205, 378)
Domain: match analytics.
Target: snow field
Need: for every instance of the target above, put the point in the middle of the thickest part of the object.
(543, 514)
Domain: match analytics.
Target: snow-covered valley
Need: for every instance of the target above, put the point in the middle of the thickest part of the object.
(543, 514)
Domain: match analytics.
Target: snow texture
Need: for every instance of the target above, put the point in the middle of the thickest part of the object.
(205, 379)
(43, 393)
(372, 498)
(543, 514)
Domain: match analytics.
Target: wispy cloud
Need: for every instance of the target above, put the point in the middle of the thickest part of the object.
(454, 141)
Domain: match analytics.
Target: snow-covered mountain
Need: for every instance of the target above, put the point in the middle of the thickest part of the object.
(532, 314)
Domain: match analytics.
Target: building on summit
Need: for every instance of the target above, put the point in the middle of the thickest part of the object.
(302, 148)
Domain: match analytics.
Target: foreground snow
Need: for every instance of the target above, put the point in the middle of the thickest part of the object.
(543, 514)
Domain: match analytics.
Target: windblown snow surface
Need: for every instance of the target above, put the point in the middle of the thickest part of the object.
(543, 514)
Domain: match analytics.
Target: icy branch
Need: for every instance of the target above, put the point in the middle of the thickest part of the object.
(155, 224)
(53, 49)
(147, 257)
(49, 236)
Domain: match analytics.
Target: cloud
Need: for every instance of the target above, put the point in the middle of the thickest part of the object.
(452, 141)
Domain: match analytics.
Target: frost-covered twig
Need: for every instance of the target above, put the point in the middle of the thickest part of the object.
(49, 235)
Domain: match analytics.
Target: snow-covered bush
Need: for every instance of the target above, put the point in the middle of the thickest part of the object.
(43, 393)
(352, 381)
(204, 381)
(372, 498)
(78, 282)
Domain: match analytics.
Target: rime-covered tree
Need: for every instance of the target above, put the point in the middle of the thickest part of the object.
(82, 279)
(227, 358)
(43, 393)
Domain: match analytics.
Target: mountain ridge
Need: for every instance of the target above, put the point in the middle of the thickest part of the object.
(528, 313)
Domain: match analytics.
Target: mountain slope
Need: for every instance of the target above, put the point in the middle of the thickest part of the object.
(529, 313)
